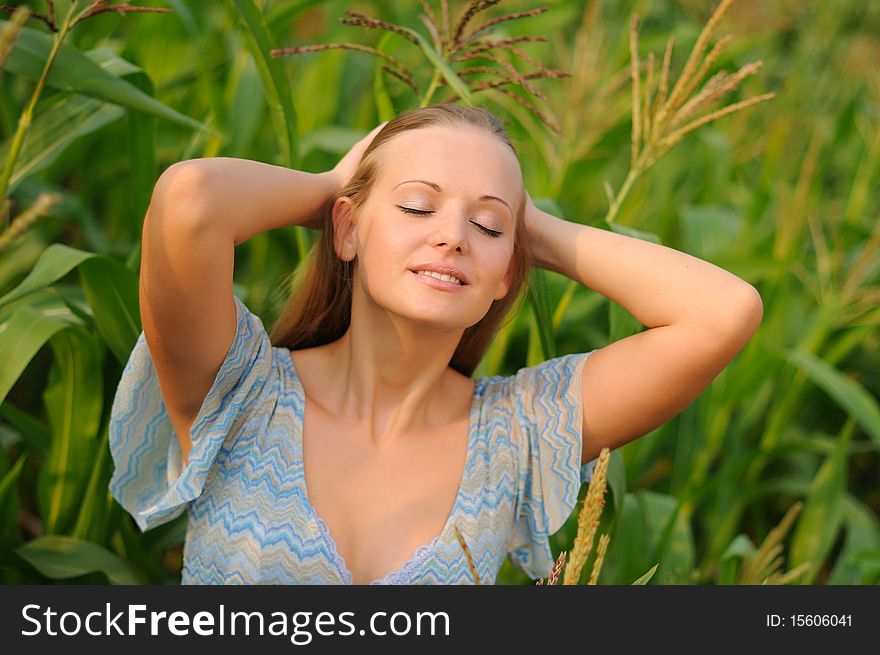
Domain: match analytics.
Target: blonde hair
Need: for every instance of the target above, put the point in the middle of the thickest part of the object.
(318, 310)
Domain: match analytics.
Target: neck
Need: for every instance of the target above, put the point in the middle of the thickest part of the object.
(395, 375)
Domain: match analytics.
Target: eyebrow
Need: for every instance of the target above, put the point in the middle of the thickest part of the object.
(437, 188)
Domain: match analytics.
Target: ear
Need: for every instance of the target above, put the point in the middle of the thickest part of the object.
(504, 287)
(344, 236)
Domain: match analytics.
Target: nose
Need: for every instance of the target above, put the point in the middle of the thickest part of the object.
(450, 231)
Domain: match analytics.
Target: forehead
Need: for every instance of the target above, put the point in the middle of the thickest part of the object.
(459, 159)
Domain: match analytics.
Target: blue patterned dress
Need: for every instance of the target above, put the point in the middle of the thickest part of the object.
(249, 517)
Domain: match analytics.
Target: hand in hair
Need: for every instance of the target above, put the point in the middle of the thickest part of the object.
(343, 171)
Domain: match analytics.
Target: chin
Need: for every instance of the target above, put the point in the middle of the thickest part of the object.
(445, 320)
(438, 314)
(436, 321)
(438, 317)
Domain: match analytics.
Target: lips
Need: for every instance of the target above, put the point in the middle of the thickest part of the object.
(436, 283)
(443, 269)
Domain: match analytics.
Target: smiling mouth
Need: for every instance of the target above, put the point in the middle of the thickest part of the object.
(432, 279)
(440, 276)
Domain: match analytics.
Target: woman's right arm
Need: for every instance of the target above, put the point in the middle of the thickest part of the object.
(199, 211)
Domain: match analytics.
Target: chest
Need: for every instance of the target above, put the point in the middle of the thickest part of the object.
(381, 503)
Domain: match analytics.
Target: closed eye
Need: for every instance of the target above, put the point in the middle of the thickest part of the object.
(423, 212)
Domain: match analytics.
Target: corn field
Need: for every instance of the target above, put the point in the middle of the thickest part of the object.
(744, 133)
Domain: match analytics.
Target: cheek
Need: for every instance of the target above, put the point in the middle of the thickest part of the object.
(384, 244)
(499, 257)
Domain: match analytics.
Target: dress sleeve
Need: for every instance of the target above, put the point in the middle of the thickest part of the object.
(545, 435)
(149, 480)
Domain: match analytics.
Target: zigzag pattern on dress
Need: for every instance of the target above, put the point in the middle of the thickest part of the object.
(249, 520)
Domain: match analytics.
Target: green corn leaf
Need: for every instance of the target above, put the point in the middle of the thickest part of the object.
(59, 557)
(112, 292)
(564, 303)
(622, 323)
(643, 580)
(248, 112)
(862, 535)
(445, 69)
(493, 359)
(91, 520)
(195, 35)
(534, 348)
(9, 500)
(20, 339)
(55, 129)
(287, 11)
(332, 139)
(739, 549)
(74, 398)
(55, 262)
(617, 479)
(540, 297)
(143, 164)
(73, 71)
(111, 289)
(846, 392)
(274, 80)
(630, 550)
(631, 232)
(33, 432)
(822, 515)
(384, 106)
(671, 535)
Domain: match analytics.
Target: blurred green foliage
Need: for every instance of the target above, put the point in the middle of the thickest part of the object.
(781, 195)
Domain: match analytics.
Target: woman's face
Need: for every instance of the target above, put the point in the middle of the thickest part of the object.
(444, 196)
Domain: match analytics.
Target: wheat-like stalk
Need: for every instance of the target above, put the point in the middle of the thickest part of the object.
(787, 578)
(600, 557)
(470, 10)
(863, 267)
(636, 93)
(23, 222)
(661, 121)
(588, 519)
(557, 569)
(678, 91)
(103, 6)
(436, 37)
(508, 44)
(402, 72)
(495, 21)
(97, 7)
(452, 44)
(444, 25)
(762, 567)
(26, 117)
(467, 554)
(47, 20)
(513, 73)
(9, 33)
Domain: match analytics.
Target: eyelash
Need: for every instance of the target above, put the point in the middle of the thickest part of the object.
(422, 212)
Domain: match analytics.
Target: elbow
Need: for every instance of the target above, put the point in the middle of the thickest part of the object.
(752, 309)
(183, 192)
(744, 314)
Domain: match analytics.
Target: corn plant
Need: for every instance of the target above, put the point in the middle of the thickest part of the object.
(81, 325)
(768, 477)
(451, 44)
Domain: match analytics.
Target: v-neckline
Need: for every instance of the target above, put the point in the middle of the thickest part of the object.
(324, 529)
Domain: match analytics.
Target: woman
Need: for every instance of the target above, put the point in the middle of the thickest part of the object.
(350, 445)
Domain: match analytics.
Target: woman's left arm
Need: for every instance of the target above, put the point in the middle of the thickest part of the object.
(700, 317)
